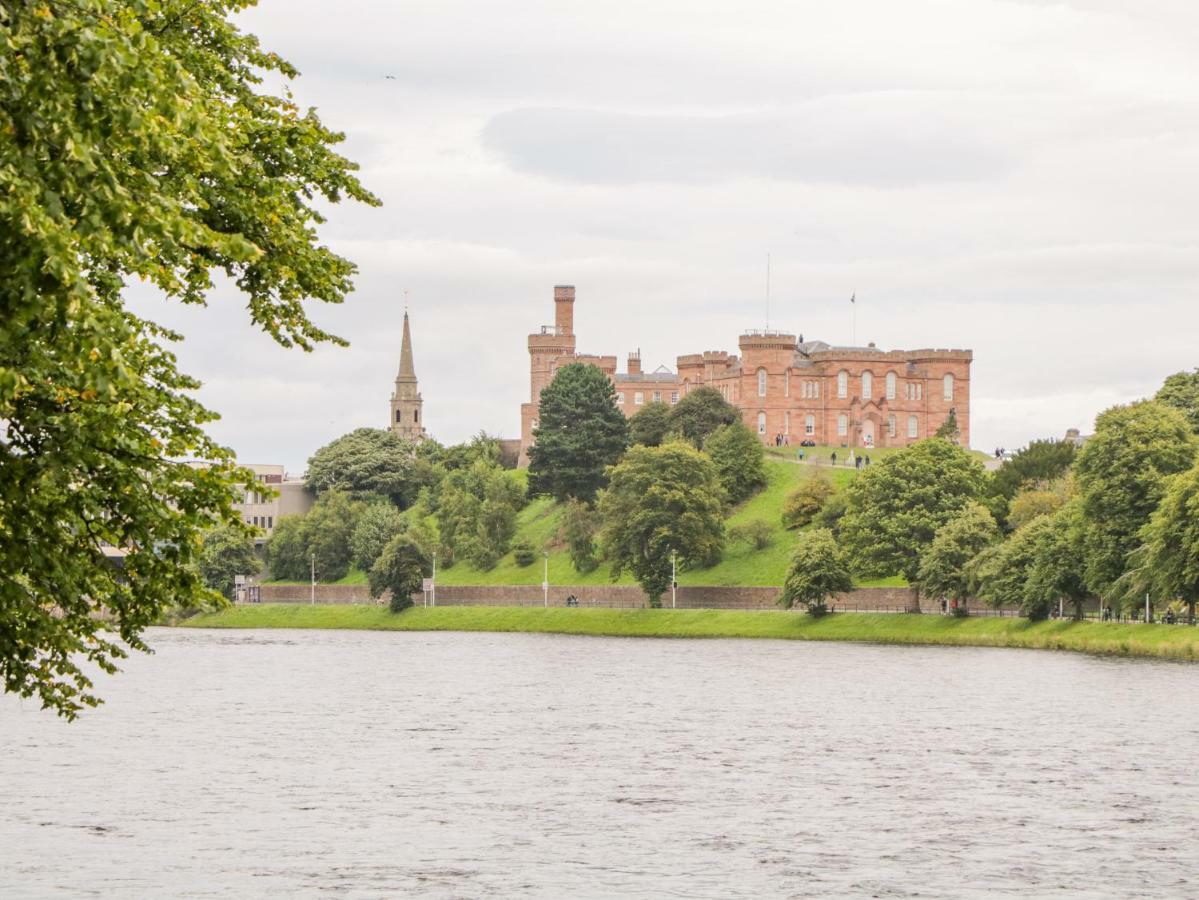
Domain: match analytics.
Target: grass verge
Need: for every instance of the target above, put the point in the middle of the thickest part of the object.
(1161, 641)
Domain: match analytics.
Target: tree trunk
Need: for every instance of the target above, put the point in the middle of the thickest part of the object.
(914, 607)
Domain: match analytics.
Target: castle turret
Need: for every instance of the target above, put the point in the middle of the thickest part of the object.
(406, 412)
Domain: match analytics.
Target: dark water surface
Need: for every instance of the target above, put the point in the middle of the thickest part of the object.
(360, 764)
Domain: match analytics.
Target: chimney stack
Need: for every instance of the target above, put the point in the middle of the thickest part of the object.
(564, 308)
(635, 362)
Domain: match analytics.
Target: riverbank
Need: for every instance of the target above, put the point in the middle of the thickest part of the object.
(1109, 638)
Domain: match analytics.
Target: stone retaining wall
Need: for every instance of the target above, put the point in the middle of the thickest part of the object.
(618, 596)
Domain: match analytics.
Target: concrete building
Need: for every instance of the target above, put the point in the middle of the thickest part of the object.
(787, 389)
(292, 498)
(407, 415)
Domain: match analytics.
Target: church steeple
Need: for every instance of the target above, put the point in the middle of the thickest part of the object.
(406, 403)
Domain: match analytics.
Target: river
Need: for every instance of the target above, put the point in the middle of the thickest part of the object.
(372, 764)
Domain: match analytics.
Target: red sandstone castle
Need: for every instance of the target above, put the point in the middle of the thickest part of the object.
(788, 390)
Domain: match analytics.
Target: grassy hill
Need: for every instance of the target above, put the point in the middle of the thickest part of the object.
(540, 521)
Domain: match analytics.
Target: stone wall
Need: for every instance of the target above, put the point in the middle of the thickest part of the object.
(613, 596)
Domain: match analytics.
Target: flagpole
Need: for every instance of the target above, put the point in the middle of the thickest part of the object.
(853, 302)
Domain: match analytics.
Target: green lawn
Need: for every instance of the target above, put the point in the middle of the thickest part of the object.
(1163, 641)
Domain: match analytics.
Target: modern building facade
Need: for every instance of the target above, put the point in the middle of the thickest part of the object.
(787, 389)
(292, 498)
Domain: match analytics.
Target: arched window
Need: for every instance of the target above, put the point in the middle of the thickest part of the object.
(913, 426)
(761, 382)
(416, 415)
(809, 425)
(947, 384)
(842, 425)
(787, 383)
(761, 423)
(867, 385)
(842, 384)
(890, 385)
(399, 417)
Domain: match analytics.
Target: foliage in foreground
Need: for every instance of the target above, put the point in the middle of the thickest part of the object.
(138, 144)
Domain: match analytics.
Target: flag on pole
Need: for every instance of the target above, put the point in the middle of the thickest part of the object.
(854, 299)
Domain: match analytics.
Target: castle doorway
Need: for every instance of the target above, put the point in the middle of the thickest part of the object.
(868, 433)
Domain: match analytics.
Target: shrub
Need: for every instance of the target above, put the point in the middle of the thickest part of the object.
(802, 504)
(523, 553)
(831, 513)
(757, 532)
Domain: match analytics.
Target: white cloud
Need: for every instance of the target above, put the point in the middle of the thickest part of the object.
(1014, 177)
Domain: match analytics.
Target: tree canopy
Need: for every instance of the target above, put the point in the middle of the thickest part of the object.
(662, 500)
(1169, 557)
(226, 552)
(819, 570)
(1121, 473)
(739, 459)
(650, 425)
(138, 143)
(1181, 391)
(580, 434)
(945, 564)
(896, 506)
(699, 413)
(370, 462)
(400, 568)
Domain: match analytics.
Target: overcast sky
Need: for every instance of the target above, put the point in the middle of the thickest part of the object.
(1012, 176)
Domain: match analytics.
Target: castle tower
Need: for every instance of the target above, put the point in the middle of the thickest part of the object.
(406, 413)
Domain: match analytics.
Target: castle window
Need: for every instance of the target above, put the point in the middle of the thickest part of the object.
(761, 382)
(674, 397)
(787, 422)
(270, 521)
(787, 383)
(913, 426)
(620, 398)
(867, 385)
(891, 386)
(809, 425)
(416, 415)
(761, 423)
(891, 425)
(842, 425)
(657, 396)
(534, 425)
(842, 384)
(638, 398)
(399, 417)
(947, 387)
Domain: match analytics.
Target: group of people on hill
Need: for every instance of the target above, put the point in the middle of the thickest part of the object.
(852, 460)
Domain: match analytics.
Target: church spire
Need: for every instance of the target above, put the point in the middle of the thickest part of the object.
(406, 405)
(407, 369)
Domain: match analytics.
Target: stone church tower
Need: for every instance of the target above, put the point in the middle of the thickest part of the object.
(406, 414)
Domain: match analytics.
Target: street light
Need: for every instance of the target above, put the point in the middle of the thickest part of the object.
(433, 592)
(545, 581)
(674, 581)
(312, 598)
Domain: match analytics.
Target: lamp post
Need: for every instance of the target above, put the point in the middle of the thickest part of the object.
(545, 581)
(312, 595)
(674, 582)
(433, 593)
